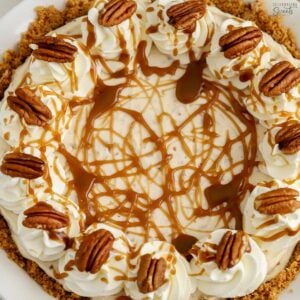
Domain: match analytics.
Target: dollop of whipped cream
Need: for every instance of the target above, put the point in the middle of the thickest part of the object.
(111, 42)
(13, 128)
(72, 79)
(178, 284)
(109, 280)
(275, 163)
(231, 69)
(237, 281)
(275, 234)
(271, 109)
(40, 244)
(14, 192)
(176, 43)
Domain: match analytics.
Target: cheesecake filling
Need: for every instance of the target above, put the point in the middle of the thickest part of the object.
(155, 144)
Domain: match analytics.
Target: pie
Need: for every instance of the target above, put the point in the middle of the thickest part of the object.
(150, 150)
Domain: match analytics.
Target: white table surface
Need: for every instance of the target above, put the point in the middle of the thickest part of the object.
(15, 284)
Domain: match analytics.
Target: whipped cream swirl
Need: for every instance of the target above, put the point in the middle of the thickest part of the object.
(237, 281)
(178, 284)
(276, 235)
(40, 244)
(271, 109)
(13, 128)
(111, 42)
(72, 79)
(176, 43)
(277, 164)
(14, 192)
(230, 69)
(109, 280)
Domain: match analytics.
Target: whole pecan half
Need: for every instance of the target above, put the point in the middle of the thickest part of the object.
(279, 79)
(288, 137)
(54, 49)
(280, 201)
(183, 16)
(117, 11)
(231, 249)
(94, 251)
(22, 165)
(240, 41)
(43, 216)
(29, 107)
(151, 274)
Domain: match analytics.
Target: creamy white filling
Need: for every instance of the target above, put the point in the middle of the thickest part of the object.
(35, 244)
(236, 281)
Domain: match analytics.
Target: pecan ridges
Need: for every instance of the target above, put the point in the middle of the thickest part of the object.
(288, 137)
(44, 216)
(22, 165)
(117, 11)
(240, 41)
(94, 251)
(29, 107)
(279, 201)
(151, 274)
(231, 249)
(183, 16)
(54, 49)
(282, 77)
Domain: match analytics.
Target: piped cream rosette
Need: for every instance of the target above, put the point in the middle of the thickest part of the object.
(227, 264)
(272, 216)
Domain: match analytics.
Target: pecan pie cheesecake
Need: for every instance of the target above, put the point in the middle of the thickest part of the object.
(150, 150)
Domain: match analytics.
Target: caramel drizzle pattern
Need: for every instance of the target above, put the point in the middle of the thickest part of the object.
(137, 209)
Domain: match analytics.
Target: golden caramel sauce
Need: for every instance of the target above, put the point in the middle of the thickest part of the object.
(147, 70)
(60, 276)
(137, 208)
(123, 298)
(152, 29)
(91, 39)
(184, 242)
(188, 87)
(62, 236)
(280, 234)
(246, 75)
(69, 266)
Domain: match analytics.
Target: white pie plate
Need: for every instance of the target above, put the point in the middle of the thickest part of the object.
(15, 284)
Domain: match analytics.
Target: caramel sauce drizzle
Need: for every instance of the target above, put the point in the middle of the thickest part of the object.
(135, 207)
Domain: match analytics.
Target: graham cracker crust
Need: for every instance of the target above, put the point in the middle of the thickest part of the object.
(49, 18)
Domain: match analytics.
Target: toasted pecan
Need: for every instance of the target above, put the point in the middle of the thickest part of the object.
(280, 201)
(151, 274)
(43, 216)
(28, 106)
(22, 165)
(117, 11)
(94, 251)
(54, 49)
(240, 41)
(231, 249)
(282, 77)
(183, 16)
